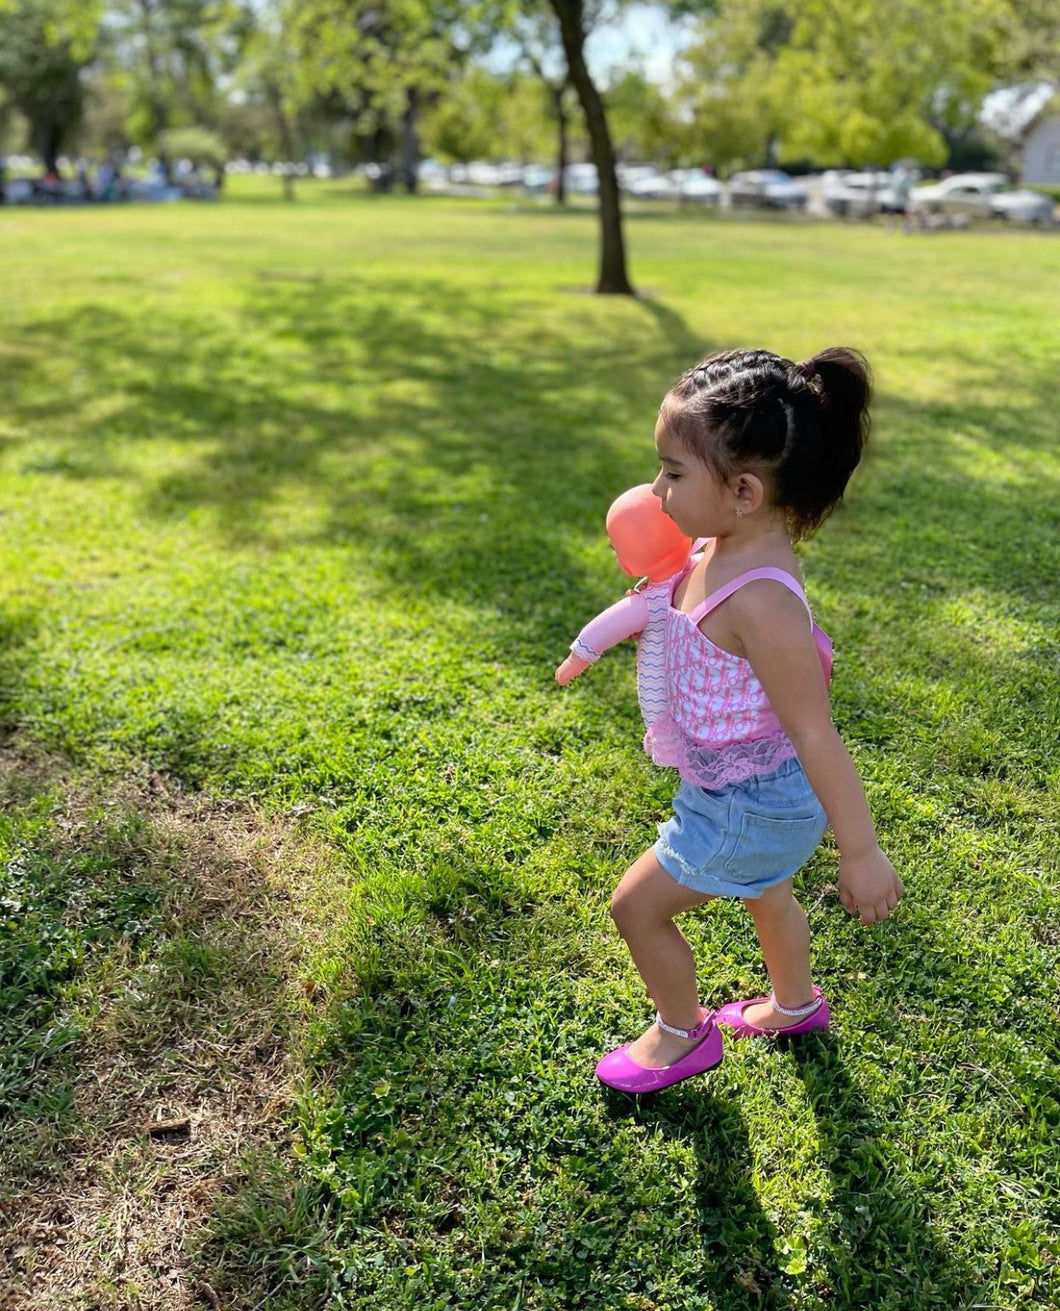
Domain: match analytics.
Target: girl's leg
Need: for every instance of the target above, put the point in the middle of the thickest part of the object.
(785, 939)
(643, 907)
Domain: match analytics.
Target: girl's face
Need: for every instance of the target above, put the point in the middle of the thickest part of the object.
(691, 495)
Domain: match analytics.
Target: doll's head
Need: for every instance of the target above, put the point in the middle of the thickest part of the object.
(647, 542)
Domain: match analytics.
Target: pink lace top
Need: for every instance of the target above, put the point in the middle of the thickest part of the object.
(717, 726)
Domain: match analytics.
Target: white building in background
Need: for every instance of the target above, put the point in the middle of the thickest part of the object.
(1040, 147)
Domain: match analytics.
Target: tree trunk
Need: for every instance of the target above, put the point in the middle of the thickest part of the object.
(274, 97)
(613, 279)
(51, 140)
(159, 115)
(560, 108)
(410, 141)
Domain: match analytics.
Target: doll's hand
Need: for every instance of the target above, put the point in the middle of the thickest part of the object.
(869, 885)
(570, 669)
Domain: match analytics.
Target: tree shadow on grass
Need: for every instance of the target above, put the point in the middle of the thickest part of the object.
(423, 421)
(884, 1250)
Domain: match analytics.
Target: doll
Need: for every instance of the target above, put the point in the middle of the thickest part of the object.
(650, 546)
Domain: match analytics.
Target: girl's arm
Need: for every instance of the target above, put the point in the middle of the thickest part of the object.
(771, 624)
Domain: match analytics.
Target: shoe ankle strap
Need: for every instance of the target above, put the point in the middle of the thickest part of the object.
(798, 1012)
(697, 1031)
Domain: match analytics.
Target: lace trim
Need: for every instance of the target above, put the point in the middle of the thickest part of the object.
(714, 767)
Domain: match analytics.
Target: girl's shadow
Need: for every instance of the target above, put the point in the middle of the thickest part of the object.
(883, 1246)
(878, 1245)
(737, 1262)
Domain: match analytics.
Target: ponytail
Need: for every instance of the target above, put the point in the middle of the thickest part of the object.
(842, 379)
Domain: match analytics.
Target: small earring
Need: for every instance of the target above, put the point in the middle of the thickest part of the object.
(739, 512)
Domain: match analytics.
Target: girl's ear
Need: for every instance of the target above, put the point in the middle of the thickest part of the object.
(749, 491)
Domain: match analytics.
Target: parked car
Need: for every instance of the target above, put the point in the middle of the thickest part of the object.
(866, 193)
(19, 191)
(981, 195)
(538, 178)
(644, 181)
(694, 184)
(581, 179)
(767, 188)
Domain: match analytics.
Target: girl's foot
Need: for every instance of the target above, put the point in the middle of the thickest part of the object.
(765, 1015)
(655, 1048)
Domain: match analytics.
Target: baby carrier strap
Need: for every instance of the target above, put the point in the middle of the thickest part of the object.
(723, 593)
(821, 639)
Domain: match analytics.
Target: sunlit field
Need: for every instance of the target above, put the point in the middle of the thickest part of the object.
(304, 850)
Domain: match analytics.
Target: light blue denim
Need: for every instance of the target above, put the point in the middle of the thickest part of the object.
(740, 839)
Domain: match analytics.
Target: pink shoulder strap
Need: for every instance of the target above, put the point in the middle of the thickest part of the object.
(723, 593)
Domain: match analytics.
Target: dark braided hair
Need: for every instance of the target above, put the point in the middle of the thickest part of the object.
(803, 426)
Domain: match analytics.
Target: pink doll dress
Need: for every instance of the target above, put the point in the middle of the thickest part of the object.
(645, 611)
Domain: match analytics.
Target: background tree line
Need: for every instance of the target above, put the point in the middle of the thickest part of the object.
(385, 82)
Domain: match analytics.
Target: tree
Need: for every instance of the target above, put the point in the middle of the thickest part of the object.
(572, 18)
(46, 46)
(200, 146)
(269, 80)
(864, 83)
(644, 124)
(534, 29)
(174, 56)
(726, 90)
(386, 61)
(462, 125)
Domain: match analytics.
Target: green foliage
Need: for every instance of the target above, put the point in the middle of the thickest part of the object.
(45, 47)
(195, 143)
(643, 125)
(173, 60)
(865, 83)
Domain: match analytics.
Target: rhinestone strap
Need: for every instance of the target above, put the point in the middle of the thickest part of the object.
(799, 1012)
(696, 1031)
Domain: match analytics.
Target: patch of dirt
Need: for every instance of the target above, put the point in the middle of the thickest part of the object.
(98, 1207)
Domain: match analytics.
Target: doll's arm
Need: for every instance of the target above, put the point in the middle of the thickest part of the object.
(622, 620)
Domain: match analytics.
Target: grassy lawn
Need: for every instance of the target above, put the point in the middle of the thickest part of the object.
(299, 508)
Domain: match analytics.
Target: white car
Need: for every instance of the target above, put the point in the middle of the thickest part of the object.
(982, 195)
(581, 179)
(694, 184)
(644, 181)
(866, 193)
(768, 188)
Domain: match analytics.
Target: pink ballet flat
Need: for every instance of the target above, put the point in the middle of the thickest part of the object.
(814, 1016)
(618, 1070)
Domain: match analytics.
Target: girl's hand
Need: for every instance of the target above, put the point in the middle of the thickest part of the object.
(869, 885)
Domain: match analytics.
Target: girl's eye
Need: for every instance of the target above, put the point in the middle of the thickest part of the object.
(673, 477)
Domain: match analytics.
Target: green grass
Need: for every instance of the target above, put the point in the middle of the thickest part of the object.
(302, 505)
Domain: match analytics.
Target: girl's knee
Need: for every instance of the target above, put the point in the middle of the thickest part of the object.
(774, 901)
(623, 907)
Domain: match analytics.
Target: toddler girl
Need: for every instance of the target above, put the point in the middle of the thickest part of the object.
(755, 453)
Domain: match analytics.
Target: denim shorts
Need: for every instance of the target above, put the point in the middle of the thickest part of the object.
(740, 839)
